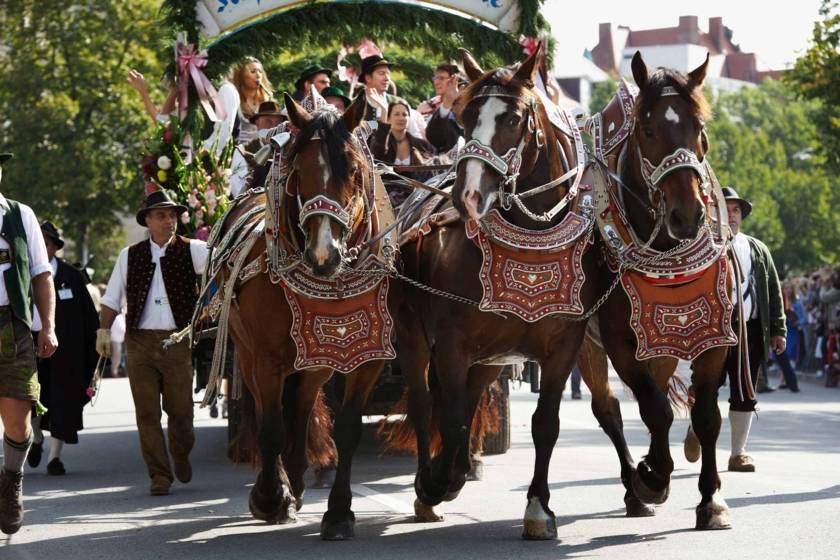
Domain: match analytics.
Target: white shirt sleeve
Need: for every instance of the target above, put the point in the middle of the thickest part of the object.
(38, 261)
(229, 97)
(114, 297)
(198, 252)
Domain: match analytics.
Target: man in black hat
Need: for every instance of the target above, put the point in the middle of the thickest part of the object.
(376, 75)
(26, 273)
(66, 375)
(157, 279)
(763, 309)
(314, 76)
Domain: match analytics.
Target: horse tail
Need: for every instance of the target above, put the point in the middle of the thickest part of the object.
(680, 394)
(399, 435)
(320, 447)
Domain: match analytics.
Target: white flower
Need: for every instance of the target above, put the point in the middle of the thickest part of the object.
(164, 162)
(192, 201)
(185, 218)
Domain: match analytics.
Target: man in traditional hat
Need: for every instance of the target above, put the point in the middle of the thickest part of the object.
(336, 97)
(26, 273)
(158, 281)
(314, 76)
(66, 375)
(376, 76)
(764, 311)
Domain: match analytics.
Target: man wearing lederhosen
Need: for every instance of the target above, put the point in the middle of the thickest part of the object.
(157, 279)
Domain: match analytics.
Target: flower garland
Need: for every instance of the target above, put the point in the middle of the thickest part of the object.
(200, 183)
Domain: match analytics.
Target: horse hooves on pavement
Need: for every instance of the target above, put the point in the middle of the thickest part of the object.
(339, 529)
(636, 508)
(538, 525)
(713, 515)
(647, 494)
(424, 513)
(427, 498)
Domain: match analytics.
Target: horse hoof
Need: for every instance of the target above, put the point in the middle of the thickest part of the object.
(339, 529)
(713, 515)
(636, 508)
(645, 493)
(477, 471)
(428, 498)
(538, 525)
(289, 514)
(425, 513)
(259, 511)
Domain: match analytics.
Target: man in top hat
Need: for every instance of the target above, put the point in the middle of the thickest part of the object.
(314, 76)
(26, 273)
(157, 279)
(764, 311)
(66, 375)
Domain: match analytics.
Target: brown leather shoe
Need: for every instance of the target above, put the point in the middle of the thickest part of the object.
(11, 501)
(160, 486)
(741, 463)
(183, 470)
(691, 446)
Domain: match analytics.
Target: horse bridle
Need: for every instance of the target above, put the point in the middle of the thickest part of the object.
(509, 164)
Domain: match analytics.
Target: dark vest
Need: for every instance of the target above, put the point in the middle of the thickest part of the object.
(17, 280)
(179, 279)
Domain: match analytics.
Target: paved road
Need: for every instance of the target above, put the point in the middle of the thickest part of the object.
(790, 507)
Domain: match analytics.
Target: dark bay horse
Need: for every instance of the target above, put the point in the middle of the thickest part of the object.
(325, 181)
(508, 126)
(666, 200)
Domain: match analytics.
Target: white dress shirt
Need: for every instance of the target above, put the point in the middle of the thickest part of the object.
(742, 249)
(157, 313)
(38, 261)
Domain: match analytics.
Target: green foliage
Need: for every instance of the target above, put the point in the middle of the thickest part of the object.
(74, 124)
(816, 76)
(602, 93)
(765, 143)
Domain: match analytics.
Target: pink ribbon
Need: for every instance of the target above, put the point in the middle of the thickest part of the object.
(190, 64)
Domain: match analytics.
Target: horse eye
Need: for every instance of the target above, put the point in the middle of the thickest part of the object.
(647, 131)
(513, 120)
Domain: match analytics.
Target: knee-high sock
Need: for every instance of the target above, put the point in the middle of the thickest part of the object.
(55, 448)
(14, 453)
(739, 423)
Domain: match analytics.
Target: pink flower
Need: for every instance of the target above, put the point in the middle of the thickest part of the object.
(199, 216)
(368, 48)
(167, 135)
(529, 44)
(192, 201)
(202, 233)
(149, 188)
(90, 392)
(185, 218)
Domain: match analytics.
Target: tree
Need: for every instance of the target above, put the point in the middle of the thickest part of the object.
(74, 124)
(816, 76)
(765, 142)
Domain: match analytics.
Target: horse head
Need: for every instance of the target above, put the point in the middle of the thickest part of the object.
(326, 177)
(668, 146)
(505, 125)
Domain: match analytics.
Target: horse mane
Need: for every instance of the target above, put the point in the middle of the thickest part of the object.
(666, 77)
(336, 143)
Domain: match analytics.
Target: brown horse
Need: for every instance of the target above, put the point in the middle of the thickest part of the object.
(502, 114)
(326, 172)
(668, 201)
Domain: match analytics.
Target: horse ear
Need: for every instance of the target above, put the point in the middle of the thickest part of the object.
(696, 76)
(471, 67)
(527, 71)
(640, 71)
(354, 114)
(298, 116)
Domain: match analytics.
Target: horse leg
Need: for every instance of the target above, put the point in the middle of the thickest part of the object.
(414, 358)
(540, 522)
(339, 521)
(432, 485)
(298, 408)
(712, 512)
(266, 498)
(594, 369)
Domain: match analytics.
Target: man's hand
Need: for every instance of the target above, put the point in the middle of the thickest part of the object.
(450, 93)
(778, 344)
(47, 343)
(103, 342)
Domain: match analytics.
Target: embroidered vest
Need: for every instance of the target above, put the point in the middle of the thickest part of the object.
(17, 279)
(179, 279)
